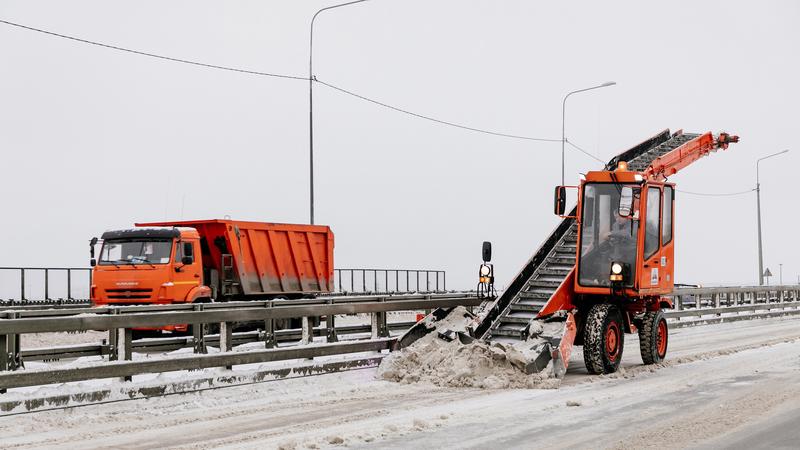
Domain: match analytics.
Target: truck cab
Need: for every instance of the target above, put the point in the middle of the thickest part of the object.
(148, 265)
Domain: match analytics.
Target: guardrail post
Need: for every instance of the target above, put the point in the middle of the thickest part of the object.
(269, 327)
(226, 338)
(124, 348)
(10, 355)
(199, 333)
(307, 336)
(753, 296)
(113, 341)
(330, 324)
(378, 322)
(4, 355)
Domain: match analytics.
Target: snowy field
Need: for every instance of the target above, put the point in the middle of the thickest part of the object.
(734, 384)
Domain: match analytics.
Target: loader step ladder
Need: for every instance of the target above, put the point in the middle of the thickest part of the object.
(532, 288)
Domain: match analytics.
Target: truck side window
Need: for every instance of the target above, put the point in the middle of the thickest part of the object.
(184, 248)
(666, 223)
(651, 230)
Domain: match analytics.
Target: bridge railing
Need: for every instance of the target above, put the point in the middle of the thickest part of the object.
(389, 281)
(65, 285)
(45, 284)
(730, 296)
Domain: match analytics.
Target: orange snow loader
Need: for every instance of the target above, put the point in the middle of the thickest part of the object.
(605, 271)
(211, 260)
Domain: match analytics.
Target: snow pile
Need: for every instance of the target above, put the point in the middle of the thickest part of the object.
(478, 364)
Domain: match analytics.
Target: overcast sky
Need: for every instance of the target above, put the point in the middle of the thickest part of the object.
(93, 139)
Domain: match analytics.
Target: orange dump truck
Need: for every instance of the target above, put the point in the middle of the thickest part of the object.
(211, 260)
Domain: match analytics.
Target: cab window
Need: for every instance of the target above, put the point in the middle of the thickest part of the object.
(666, 223)
(184, 248)
(651, 230)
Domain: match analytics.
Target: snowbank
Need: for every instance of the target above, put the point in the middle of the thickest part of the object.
(477, 364)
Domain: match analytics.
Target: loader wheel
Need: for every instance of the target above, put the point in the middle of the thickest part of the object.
(653, 337)
(603, 339)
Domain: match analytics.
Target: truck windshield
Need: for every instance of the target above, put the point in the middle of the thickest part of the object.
(606, 237)
(135, 251)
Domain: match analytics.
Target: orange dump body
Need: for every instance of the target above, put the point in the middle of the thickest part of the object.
(262, 260)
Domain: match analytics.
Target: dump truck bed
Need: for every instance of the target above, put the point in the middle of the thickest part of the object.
(262, 260)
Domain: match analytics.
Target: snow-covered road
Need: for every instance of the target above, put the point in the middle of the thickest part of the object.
(735, 384)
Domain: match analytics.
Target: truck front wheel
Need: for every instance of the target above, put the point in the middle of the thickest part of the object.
(653, 337)
(604, 338)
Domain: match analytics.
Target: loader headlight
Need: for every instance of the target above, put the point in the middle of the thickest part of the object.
(485, 270)
(618, 271)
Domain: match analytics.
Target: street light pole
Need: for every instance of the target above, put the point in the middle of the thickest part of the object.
(758, 209)
(311, 80)
(564, 116)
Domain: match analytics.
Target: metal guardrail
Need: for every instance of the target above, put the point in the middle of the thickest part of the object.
(709, 305)
(119, 322)
(385, 281)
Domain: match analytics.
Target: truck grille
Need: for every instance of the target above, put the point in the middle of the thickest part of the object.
(129, 293)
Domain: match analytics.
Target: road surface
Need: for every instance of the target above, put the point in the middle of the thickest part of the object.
(728, 385)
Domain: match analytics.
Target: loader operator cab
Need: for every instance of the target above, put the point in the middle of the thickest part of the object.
(625, 230)
(607, 237)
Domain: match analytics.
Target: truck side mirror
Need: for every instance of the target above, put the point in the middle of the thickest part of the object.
(560, 200)
(487, 251)
(92, 262)
(626, 201)
(92, 243)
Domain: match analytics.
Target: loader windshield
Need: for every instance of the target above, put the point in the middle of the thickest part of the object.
(135, 251)
(606, 237)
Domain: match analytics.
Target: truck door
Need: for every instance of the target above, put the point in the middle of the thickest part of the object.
(652, 268)
(186, 276)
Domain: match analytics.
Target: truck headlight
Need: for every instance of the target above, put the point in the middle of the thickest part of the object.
(485, 270)
(616, 268)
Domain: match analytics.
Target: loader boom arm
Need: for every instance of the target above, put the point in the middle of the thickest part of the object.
(677, 159)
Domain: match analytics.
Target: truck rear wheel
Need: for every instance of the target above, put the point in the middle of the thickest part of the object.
(653, 337)
(604, 338)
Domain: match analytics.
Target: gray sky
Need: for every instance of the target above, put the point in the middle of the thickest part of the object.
(93, 139)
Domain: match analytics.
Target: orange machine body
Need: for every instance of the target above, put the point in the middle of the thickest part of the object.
(212, 260)
(649, 271)
(624, 262)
